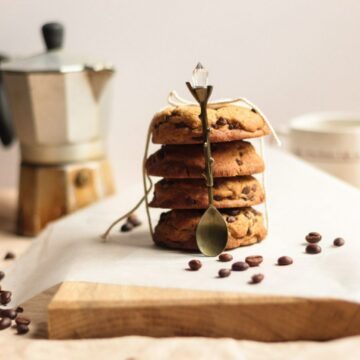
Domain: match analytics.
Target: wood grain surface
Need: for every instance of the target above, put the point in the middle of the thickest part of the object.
(88, 310)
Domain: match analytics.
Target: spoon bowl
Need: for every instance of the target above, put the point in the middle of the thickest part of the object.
(211, 232)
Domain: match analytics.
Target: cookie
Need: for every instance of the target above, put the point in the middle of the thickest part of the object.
(182, 125)
(235, 192)
(236, 158)
(177, 228)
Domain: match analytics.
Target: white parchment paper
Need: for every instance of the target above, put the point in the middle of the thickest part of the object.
(301, 199)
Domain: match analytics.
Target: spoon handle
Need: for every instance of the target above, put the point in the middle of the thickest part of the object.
(202, 95)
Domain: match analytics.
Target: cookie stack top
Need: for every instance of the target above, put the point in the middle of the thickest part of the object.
(181, 163)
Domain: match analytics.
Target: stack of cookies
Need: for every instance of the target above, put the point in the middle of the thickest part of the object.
(181, 164)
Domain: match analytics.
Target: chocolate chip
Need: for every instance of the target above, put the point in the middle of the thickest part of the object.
(190, 201)
(215, 126)
(5, 323)
(221, 121)
(313, 237)
(8, 313)
(5, 297)
(246, 190)
(195, 265)
(9, 256)
(224, 257)
(218, 197)
(239, 162)
(22, 320)
(285, 260)
(254, 110)
(240, 266)
(2, 275)
(253, 188)
(22, 329)
(180, 125)
(126, 227)
(232, 212)
(231, 126)
(257, 278)
(254, 260)
(313, 249)
(134, 220)
(231, 219)
(19, 309)
(339, 241)
(224, 273)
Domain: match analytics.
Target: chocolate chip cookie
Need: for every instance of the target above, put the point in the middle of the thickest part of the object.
(234, 192)
(182, 125)
(236, 158)
(177, 228)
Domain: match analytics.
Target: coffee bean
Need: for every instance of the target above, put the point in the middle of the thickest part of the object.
(339, 241)
(257, 278)
(285, 260)
(254, 260)
(246, 190)
(195, 265)
(22, 329)
(22, 320)
(232, 212)
(240, 266)
(4, 323)
(313, 249)
(134, 220)
(19, 309)
(8, 313)
(2, 275)
(9, 256)
(5, 297)
(224, 273)
(231, 219)
(225, 257)
(221, 121)
(313, 237)
(126, 227)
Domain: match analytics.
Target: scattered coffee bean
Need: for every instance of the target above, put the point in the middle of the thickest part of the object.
(134, 220)
(285, 260)
(339, 241)
(224, 257)
(224, 273)
(19, 309)
(254, 260)
(2, 275)
(22, 320)
(22, 329)
(240, 266)
(313, 249)
(5, 297)
(8, 313)
(257, 278)
(5, 323)
(313, 237)
(9, 256)
(231, 219)
(195, 265)
(126, 227)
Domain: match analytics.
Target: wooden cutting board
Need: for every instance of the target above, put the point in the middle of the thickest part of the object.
(89, 310)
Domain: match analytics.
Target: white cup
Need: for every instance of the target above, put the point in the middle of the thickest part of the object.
(330, 141)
